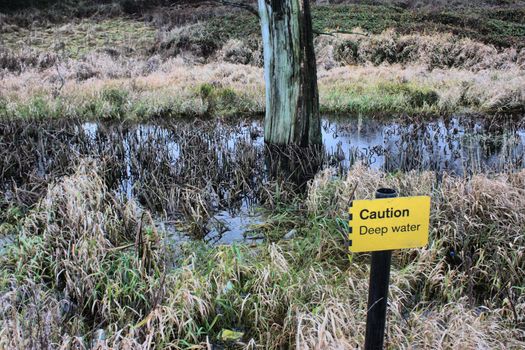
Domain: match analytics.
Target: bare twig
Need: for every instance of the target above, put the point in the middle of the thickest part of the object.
(57, 90)
(338, 32)
(243, 6)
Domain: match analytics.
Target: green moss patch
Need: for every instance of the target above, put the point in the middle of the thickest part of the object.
(74, 40)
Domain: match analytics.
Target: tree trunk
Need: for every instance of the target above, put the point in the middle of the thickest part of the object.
(292, 99)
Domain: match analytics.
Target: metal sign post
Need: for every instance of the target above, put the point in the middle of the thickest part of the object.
(378, 290)
(380, 226)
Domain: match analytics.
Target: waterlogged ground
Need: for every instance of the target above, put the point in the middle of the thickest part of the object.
(145, 216)
(204, 177)
(458, 145)
(189, 234)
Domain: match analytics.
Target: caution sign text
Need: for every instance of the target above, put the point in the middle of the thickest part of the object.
(390, 223)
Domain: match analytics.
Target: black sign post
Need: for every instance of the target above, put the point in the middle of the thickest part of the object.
(378, 290)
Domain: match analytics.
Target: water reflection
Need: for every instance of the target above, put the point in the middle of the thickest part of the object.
(458, 146)
(210, 173)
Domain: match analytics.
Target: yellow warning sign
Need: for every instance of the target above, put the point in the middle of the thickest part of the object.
(389, 223)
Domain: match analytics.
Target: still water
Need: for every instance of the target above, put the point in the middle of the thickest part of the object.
(219, 167)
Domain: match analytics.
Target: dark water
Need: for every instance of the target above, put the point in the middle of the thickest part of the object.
(211, 173)
(457, 145)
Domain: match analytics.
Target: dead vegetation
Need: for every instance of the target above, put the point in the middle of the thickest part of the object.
(191, 170)
(463, 290)
(88, 269)
(182, 171)
(433, 51)
(80, 232)
(173, 88)
(158, 63)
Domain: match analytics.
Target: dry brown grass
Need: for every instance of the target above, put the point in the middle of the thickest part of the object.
(302, 293)
(385, 73)
(479, 219)
(439, 50)
(483, 91)
(84, 256)
(157, 87)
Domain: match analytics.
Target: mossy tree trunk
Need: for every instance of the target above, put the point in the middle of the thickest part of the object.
(292, 99)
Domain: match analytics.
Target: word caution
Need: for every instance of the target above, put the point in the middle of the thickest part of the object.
(389, 223)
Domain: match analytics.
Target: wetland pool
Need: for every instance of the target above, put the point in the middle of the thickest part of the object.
(212, 174)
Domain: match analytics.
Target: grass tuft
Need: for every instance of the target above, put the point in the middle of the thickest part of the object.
(302, 291)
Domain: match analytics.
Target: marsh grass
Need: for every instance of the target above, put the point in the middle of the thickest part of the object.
(385, 97)
(304, 291)
(175, 89)
(193, 170)
(88, 267)
(75, 70)
(91, 257)
(181, 171)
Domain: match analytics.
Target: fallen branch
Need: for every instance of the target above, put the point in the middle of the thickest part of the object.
(339, 32)
(246, 7)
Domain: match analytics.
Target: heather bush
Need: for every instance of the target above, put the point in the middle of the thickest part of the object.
(193, 38)
(235, 51)
(25, 59)
(435, 51)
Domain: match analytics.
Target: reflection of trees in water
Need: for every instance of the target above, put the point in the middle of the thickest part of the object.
(196, 169)
(454, 145)
(293, 164)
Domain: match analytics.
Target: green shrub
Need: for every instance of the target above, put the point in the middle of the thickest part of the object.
(227, 96)
(115, 96)
(347, 52)
(421, 98)
(205, 90)
(116, 103)
(38, 107)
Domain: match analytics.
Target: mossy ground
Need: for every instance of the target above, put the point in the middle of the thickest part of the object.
(502, 27)
(80, 37)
